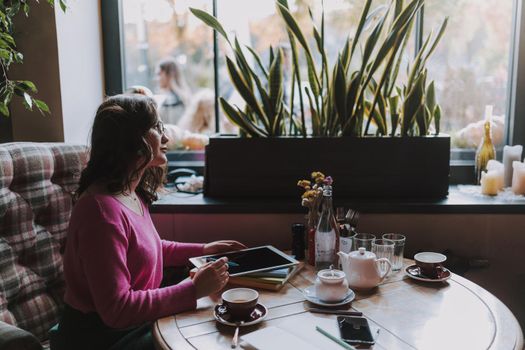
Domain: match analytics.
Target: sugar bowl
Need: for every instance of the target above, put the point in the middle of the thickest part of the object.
(331, 285)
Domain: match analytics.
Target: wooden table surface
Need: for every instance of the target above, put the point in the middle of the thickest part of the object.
(456, 314)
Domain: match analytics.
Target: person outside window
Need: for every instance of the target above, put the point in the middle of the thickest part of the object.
(175, 93)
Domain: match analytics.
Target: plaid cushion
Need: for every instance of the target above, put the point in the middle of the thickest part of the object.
(15, 338)
(36, 185)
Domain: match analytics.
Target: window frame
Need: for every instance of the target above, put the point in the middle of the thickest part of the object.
(461, 161)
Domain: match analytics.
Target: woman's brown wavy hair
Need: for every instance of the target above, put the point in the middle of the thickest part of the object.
(118, 142)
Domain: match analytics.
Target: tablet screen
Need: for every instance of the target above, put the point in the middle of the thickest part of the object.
(250, 260)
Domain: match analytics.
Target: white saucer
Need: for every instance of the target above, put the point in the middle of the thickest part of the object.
(309, 294)
(258, 315)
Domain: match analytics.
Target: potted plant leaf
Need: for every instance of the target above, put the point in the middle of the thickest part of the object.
(363, 125)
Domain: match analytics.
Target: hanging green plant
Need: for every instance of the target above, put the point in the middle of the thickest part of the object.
(9, 55)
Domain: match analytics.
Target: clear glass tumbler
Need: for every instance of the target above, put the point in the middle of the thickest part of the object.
(383, 248)
(399, 248)
(363, 240)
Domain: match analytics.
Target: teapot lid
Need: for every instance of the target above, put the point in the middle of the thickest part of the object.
(362, 254)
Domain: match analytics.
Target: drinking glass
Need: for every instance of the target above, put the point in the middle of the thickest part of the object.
(383, 248)
(363, 240)
(399, 247)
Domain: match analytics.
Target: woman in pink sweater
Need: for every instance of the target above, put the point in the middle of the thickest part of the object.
(114, 258)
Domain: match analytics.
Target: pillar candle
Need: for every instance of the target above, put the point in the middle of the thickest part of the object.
(518, 178)
(496, 166)
(490, 182)
(510, 154)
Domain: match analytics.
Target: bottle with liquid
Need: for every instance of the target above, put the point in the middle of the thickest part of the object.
(327, 233)
(346, 232)
(486, 150)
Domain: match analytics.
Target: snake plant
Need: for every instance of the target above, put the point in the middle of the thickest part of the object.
(341, 101)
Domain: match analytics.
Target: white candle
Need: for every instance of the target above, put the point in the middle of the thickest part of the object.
(510, 154)
(490, 182)
(518, 178)
(494, 165)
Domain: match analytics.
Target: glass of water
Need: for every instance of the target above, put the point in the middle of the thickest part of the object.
(399, 248)
(383, 248)
(363, 240)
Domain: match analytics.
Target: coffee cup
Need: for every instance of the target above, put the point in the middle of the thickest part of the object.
(430, 263)
(240, 302)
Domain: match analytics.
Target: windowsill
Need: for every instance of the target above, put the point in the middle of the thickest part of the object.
(459, 201)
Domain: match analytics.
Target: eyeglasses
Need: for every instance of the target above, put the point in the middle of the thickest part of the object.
(159, 126)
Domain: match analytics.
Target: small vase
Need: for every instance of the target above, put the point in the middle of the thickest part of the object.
(311, 224)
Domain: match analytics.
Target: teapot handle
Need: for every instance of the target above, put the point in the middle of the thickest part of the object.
(387, 270)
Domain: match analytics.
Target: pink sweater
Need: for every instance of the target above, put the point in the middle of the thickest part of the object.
(113, 264)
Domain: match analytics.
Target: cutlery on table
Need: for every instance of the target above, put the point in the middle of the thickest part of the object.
(235, 340)
(338, 312)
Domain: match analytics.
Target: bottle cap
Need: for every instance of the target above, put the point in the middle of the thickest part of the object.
(298, 228)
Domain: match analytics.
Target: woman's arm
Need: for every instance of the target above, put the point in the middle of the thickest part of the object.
(177, 254)
(103, 253)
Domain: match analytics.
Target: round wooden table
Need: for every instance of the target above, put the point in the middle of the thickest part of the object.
(456, 314)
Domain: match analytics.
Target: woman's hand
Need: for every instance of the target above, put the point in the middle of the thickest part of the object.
(211, 278)
(222, 247)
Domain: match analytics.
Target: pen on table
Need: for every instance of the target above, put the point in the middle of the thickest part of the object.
(334, 338)
(230, 263)
(338, 312)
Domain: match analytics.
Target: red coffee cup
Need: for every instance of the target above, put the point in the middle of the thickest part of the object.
(240, 302)
(430, 263)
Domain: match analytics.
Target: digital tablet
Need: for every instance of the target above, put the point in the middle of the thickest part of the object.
(250, 260)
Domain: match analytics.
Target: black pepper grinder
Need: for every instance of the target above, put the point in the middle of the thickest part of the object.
(298, 241)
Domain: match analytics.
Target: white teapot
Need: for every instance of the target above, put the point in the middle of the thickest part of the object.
(331, 285)
(362, 270)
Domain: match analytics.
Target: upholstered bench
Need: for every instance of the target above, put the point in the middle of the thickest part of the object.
(37, 181)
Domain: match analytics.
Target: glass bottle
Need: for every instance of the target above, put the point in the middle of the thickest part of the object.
(326, 234)
(486, 150)
(345, 231)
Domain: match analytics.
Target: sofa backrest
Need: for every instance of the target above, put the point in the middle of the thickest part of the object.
(37, 181)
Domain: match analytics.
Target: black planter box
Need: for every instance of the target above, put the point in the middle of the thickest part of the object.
(368, 167)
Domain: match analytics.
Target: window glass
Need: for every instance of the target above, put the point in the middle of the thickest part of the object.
(261, 26)
(170, 51)
(470, 66)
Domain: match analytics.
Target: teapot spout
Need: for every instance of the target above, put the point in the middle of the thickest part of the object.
(344, 256)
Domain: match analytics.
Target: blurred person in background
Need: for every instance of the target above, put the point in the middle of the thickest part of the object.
(175, 93)
(199, 117)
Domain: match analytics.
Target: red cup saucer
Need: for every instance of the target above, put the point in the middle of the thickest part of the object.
(220, 312)
(414, 272)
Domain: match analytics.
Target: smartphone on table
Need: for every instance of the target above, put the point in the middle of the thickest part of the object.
(355, 330)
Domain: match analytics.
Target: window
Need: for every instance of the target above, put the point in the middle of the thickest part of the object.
(476, 63)
(471, 65)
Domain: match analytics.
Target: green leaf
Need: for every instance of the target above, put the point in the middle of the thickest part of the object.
(28, 101)
(360, 26)
(259, 61)
(236, 118)
(339, 89)
(4, 110)
(63, 5)
(412, 104)
(243, 64)
(246, 93)
(210, 21)
(26, 85)
(393, 106)
(275, 82)
(431, 96)
(41, 105)
(293, 26)
(437, 118)
(421, 120)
